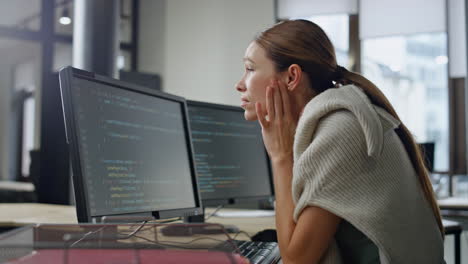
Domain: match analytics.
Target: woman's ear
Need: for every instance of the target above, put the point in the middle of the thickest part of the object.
(294, 76)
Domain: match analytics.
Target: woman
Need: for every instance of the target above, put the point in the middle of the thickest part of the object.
(350, 183)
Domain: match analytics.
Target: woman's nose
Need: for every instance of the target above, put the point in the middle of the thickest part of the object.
(240, 86)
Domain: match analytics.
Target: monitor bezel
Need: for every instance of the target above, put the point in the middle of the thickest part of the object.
(239, 199)
(81, 193)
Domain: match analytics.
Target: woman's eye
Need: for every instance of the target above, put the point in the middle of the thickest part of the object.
(248, 69)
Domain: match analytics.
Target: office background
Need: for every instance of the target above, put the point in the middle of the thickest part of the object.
(415, 51)
(416, 55)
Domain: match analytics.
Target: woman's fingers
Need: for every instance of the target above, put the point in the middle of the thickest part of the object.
(270, 103)
(278, 103)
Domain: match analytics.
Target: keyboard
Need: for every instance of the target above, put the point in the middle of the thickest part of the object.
(259, 252)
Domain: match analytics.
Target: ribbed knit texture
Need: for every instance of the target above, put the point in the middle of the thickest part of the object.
(348, 160)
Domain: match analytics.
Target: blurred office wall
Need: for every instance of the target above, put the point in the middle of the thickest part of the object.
(198, 46)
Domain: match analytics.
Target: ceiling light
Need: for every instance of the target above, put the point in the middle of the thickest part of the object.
(65, 18)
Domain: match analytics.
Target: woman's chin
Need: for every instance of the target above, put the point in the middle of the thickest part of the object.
(249, 116)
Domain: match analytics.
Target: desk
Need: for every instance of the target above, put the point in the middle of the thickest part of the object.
(454, 228)
(20, 214)
(16, 186)
(17, 192)
(453, 203)
(457, 207)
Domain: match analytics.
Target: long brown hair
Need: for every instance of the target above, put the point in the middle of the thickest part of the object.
(304, 43)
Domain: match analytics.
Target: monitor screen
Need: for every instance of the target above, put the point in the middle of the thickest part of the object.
(132, 148)
(230, 158)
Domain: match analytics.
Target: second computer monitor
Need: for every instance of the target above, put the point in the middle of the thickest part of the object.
(230, 158)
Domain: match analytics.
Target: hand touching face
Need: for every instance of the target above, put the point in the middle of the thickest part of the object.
(278, 122)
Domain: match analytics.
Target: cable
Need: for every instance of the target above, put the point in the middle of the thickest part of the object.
(165, 243)
(156, 222)
(214, 212)
(166, 220)
(134, 232)
(67, 237)
(242, 232)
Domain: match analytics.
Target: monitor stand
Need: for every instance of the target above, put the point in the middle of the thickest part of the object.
(201, 219)
(189, 230)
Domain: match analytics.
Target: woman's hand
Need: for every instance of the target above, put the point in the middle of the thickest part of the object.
(278, 123)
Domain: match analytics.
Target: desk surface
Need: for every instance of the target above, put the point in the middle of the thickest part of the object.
(20, 214)
(16, 186)
(460, 203)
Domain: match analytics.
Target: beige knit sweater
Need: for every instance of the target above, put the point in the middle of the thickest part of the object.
(349, 160)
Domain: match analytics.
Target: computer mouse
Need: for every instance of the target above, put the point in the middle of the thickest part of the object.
(267, 235)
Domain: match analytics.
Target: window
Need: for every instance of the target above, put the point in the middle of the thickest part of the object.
(65, 8)
(20, 77)
(126, 21)
(21, 43)
(20, 14)
(412, 72)
(123, 60)
(337, 29)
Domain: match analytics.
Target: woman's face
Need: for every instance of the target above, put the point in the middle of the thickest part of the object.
(259, 71)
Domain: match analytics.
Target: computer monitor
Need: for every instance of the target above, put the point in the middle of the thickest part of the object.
(130, 148)
(230, 158)
(427, 150)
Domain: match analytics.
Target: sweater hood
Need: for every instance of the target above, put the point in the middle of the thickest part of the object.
(373, 120)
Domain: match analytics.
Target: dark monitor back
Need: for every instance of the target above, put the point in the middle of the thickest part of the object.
(230, 158)
(50, 165)
(428, 154)
(148, 80)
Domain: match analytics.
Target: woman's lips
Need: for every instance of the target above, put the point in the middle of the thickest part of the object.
(244, 102)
